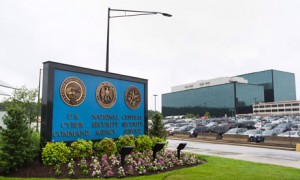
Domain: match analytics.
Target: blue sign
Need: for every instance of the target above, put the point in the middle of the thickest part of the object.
(93, 107)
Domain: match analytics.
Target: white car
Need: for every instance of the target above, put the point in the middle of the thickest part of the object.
(290, 134)
(170, 131)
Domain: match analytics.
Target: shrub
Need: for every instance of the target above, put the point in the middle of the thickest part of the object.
(55, 153)
(142, 143)
(105, 146)
(124, 141)
(156, 140)
(35, 139)
(81, 149)
(17, 148)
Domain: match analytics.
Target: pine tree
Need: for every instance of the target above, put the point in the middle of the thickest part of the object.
(17, 148)
(157, 129)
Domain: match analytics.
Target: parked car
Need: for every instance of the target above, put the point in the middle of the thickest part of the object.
(269, 126)
(290, 134)
(184, 128)
(168, 125)
(261, 137)
(195, 131)
(246, 124)
(201, 122)
(236, 131)
(171, 131)
(284, 127)
(295, 127)
(251, 134)
(220, 129)
(272, 132)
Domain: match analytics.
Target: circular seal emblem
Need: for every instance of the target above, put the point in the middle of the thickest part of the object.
(106, 95)
(133, 97)
(72, 91)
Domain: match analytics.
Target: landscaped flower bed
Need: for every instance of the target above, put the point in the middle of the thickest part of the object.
(81, 160)
(135, 164)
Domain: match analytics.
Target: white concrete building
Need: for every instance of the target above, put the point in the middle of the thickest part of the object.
(277, 108)
(206, 83)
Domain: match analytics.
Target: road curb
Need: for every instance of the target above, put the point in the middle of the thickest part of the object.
(231, 143)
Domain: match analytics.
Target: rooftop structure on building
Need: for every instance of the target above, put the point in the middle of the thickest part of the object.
(207, 83)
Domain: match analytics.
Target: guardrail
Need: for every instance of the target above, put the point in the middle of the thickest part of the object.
(282, 141)
(235, 138)
(244, 139)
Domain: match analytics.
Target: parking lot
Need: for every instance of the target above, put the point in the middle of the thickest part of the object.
(265, 129)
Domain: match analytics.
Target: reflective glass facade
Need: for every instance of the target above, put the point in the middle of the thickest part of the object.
(278, 85)
(217, 100)
(264, 86)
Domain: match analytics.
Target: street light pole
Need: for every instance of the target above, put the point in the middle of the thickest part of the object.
(107, 41)
(155, 102)
(38, 102)
(234, 94)
(138, 13)
(234, 83)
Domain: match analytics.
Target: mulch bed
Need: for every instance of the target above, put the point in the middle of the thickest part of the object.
(37, 170)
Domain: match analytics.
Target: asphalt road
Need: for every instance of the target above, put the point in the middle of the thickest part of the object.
(261, 155)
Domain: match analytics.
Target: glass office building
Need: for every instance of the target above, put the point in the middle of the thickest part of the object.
(278, 85)
(218, 100)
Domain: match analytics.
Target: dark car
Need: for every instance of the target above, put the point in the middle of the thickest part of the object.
(295, 127)
(194, 132)
(284, 127)
(269, 126)
(261, 137)
(246, 124)
(251, 134)
(220, 129)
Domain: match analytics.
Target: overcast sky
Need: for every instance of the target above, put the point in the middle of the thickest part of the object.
(204, 39)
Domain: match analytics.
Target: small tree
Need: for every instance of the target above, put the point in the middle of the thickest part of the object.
(190, 115)
(207, 114)
(26, 100)
(157, 129)
(18, 147)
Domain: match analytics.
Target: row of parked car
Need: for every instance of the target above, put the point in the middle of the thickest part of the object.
(255, 127)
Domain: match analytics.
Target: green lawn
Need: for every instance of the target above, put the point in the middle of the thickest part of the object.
(223, 168)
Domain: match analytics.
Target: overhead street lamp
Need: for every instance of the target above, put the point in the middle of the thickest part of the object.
(139, 13)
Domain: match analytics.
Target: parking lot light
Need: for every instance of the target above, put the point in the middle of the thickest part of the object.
(180, 147)
(158, 146)
(125, 151)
